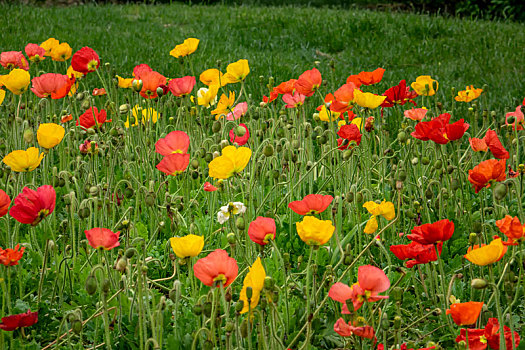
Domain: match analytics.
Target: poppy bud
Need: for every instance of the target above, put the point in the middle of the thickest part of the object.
(425, 161)
(197, 309)
(500, 191)
(384, 321)
(239, 223)
(28, 136)
(479, 283)
(402, 136)
(207, 309)
(84, 212)
(130, 252)
(150, 199)
(401, 175)
(244, 328)
(105, 286)
(268, 150)
(85, 104)
(239, 306)
(397, 322)
(215, 154)
(348, 260)
(76, 326)
(231, 238)
(80, 96)
(137, 85)
(91, 284)
(347, 154)
(473, 238)
(454, 184)
(359, 197)
(476, 227)
(322, 139)
(269, 282)
(122, 264)
(123, 109)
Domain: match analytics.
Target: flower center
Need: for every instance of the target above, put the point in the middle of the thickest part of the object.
(220, 279)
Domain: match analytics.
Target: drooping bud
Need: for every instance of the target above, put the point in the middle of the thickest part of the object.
(479, 283)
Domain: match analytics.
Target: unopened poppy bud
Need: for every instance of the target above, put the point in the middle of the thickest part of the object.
(91, 284)
(402, 136)
(348, 259)
(479, 283)
(123, 109)
(160, 91)
(239, 223)
(197, 309)
(206, 309)
(216, 154)
(476, 226)
(347, 154)
(130, 252)
(286, 259)
(384, 321)
(85, 104)
(268, 150)
(150, 199)
(322, 139)
(76, 326)
(249, 293)
(397, 322)
(239, 306)
(473, 238)
(414, 160)
(244, 328)
(122, 264)
(269, 282)
(28, 136)
(500, 191)
(401, 175)
(84, 212)
(105, 286)
(231, 238)
(137, 85)
(359, 197)
(240, 131)
(80, 96)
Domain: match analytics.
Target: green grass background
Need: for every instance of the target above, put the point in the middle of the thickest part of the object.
(284, 41)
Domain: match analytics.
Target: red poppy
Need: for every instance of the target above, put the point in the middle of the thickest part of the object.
(347, 329)
(419, 253)
(495, 146)
(10, 257)
(405, 347)
(99, 92)
(52, 85)
(88, 147)
(182, 86)
(366, 78)
(487, 172)
(492, 335)
(85, 60)
(286, 87)
(208, 187)
(32, 206)
(174, 164)
(343, 98)
(369, 124)
(476, 338)
(478, 145)
(465, 314)
(308, 82)
(519, 118)
(439, 130)
(13, 59)
(99, 237)
(240, 140)
(92, 118)
(217, 267)
(350, 136)
(399, 95)
(35, 53)
(66, 118)
(151, 81)
(261, 230)
(510, 227)
(295, 100)
(439, 231)
(273, 96)
(5, 201)
(311, 204)
(10, 323)
(175, 142)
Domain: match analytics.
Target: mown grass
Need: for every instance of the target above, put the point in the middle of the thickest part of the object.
(284, 41)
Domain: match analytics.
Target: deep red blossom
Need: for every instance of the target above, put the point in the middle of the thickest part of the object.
(93, 118)
(32, 206)
(311, 204)
(308, 82)
(495, 146)
(440, 130)
(399, 95)
(240, 140)
(85, 60)
(480, 339)
(208, 187)
(417, 253)
(273, 96)
(104, 238)
(439, 231)
(5, 202)
(13, 322)
(487, 172)
(350, 136)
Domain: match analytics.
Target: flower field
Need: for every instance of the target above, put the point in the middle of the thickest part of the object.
(213, 203)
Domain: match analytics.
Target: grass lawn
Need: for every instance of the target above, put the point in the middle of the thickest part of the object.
(284, 41)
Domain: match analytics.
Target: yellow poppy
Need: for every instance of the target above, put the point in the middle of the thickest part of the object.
(22, 161)
(17, 81)
(148, 115)
(207, 97)
(385, 209)
(212, 76)
(232, 161)
(486, 254)
(225, 104)
(255, 280)
(368, 100)
(189, 46)
(314, 231)
(2, 96)
(61, 52)
(71, 72)
(237, 71)
(49, 135)
(468, 94)
(124, 83)
(424, 85)
(188, 246)
(48, 45)
(371, 225)
(328, 116)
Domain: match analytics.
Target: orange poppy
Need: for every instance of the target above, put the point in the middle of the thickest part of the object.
(366, 78)
(487, 172)
(151, 80)
(465, 314)
(308, 82)
(512, 228)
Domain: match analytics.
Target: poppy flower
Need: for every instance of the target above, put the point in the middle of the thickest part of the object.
(124, 83)
(208, 187)
(293, 101)
(440, 130)
(476, 338)
(240, 140)
(5, 202)
(13, 322)
(519, 118)
(2, 94)
(232, 161)
(17, 81)
(311, 204)
(151, 81)
(492, 335)
(146, 115)
(104, 238)
(175, 142)
(486, 254)
(207, 97)
(217, 267)
(61, 52)
(384, 209)
(48, 45)
(469, 94)
(399, 95)
(85, 60)
(238, 111)
(212, 76)
(273, 97)
(366, 78)
(509, 226)
(13, 59)
(465, 314)
(495, 146)
(88, 146)
(369, 124)
(439, 231)
(424, 85)
(340, 292)
(255, 280)
(350, 136)
(24, 161)
(182, 86)
(417, 252)
(347, 329)
(52, 85)
(371, 281)
(308, 82)
(262, 230)
(367, 99)
(73, 73)
(92, 118)
(487, 172)
(32, 206)
(343, 98)
(99, 92)
(140, 69)
(236, 72)
(315, 232)
(232, 208)
(35, 53)
(174, 164)
(225, 105)
(49, 135)
(416, 114)
(478, 145)
(188, 47)
(188, 246)
(11, 257)
(286, 87)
